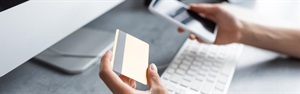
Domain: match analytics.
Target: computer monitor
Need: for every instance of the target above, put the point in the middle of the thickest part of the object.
(28, 27)
(6, 4)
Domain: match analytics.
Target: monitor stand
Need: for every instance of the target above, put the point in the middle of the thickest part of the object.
(84, 42)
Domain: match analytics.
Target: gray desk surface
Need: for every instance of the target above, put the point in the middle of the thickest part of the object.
(33, 77)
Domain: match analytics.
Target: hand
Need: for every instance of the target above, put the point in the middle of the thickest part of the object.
(124, 85)
(229, 27)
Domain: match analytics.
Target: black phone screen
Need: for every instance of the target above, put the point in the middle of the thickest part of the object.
(191, 19)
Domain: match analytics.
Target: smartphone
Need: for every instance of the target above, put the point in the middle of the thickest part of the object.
(179, 14)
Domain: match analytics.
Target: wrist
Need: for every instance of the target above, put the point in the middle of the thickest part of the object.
(246, 34)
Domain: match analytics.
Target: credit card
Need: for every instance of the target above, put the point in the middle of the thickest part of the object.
(130, 56)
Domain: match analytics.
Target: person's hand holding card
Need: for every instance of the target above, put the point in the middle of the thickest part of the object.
(130, 56)
(130, 59)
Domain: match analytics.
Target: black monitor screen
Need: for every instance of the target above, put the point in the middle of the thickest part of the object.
(6, 4)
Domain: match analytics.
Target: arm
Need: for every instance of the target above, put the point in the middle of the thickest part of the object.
(232, 29)
(283, 40)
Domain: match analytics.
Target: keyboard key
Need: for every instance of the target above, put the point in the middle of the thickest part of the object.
(179, 90)
(222, 79)
(208, 64)
(176, 78)
(211, 56)
(179, 58)
(180, 71)
(195, 48)
(188, 77)
(195, 63)
(170, 90)
(190, 91)
(211, 77)
(217, 66)
(220, 86)
(202, 52)
(194, 52)
(224, 74)
(202, 71)
(186, 51)
(207, 87)
(204, 68)
(183, 66)
(228, 67)
(215, 70)
(198, 58)
(217, 90)
(185, 83)
(196, 86)
(214, 51)
(171, 87)
(192, 73)
(170, 70)
(167, 75)
(174, 65)
(200, 78)
(195, 68)
(189, 58)
(221, 56)
(164, 81)
(177, 61)
(186, 62)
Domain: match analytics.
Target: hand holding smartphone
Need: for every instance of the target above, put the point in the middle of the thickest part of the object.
(179, 14)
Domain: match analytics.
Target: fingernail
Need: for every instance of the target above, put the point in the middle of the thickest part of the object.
(153, 67)
(108, 51)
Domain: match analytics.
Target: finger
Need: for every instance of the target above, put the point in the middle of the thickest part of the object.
(111, 79)
(200, 40)
(128, 81)
(218, 42)
(192, 36)
(180, 30)
(125, 79)
(209, 16)
(107, 56)
(152, 76)
(133, 83)
(154, 82)
(204, 8)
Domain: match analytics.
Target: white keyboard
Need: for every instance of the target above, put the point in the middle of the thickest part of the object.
(202, 68)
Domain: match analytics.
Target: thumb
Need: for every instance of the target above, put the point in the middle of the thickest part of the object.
(207, 10)
(153, 77)
(204, 8)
